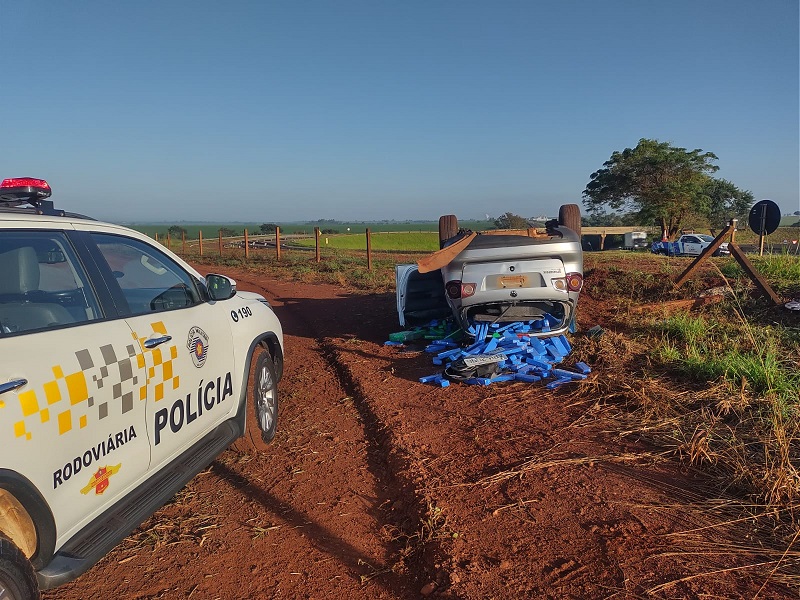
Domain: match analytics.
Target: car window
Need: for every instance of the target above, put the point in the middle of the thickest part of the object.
(706, 238)
(149, 279)
(43, 284)
(690, 239)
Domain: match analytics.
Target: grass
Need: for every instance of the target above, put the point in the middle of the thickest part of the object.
(386, 241)
(781, 270)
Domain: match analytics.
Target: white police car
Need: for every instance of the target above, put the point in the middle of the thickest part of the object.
(123, 373)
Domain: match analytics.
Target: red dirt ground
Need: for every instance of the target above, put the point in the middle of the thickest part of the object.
(377, 486)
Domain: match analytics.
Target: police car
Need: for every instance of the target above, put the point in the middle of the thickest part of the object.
(124, 373)
(689, 244)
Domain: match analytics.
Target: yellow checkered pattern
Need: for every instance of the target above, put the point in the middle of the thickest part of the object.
(65, 396)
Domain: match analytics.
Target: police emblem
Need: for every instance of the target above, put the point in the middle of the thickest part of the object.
(197, 343)
(99, 481)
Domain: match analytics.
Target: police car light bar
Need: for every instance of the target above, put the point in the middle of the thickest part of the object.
(19, 191)
(24, 188)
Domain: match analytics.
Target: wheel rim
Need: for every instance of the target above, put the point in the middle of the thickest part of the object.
(6, 593)
(266, 399)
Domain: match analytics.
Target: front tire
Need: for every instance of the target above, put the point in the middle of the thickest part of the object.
(17, 579)
(262, 404)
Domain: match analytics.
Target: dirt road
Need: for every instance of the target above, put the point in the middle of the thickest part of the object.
(377, 486)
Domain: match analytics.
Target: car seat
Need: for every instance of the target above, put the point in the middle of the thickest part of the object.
(19, 280)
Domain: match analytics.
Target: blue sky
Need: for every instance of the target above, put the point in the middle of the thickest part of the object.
(362, 110)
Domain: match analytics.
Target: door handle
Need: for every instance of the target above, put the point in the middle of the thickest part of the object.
(156, 341)
(12, 385)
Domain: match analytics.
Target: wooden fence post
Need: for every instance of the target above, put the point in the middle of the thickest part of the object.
(246, 246)
(169, 241)
(316, 244)
(369, 251)
(200, 237)
(220, 242)
(278, 244)
(183, 243)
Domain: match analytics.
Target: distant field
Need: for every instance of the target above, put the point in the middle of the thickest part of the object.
(420, 241)
(789, 221)
(211, 230)
(399, 237)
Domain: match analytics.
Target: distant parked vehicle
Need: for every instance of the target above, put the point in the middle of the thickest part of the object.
(635, 240)
(689, 244)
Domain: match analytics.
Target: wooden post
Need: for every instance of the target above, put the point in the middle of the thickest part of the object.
(602, 240)
(220, 242)
(316, 244)
(748, 267)
(183, 243)
(246, 246)
(155, 235)
(169, 241)
(369, 251)
(278, 244)
(733, 229)
(200, 237)
(705, 254)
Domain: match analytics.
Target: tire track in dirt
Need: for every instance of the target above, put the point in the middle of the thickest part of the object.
(401, 507)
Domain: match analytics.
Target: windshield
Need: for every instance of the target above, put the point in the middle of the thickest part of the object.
(706, 238)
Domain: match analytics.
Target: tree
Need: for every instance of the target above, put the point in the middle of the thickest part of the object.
(268, 228)
(511, 221)
(658, 182)
(227, 232)
(726, 202)
(176, 230)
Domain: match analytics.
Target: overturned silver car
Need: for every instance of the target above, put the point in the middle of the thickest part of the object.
(498, 277)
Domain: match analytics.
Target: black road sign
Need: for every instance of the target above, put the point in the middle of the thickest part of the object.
(765, 216)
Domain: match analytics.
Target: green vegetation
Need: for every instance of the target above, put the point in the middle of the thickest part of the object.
(781, 270)
(747, 357)
(426, 241)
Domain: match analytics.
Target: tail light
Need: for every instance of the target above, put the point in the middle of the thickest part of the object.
(574, 282)
(456, 289)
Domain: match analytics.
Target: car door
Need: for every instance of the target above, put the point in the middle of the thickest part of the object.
(692, 245)
(420, 296)
(185, 343)
(71, 422)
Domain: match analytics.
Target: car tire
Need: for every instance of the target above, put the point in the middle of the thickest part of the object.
(569, 216)
(262, 403)
(448, 228)
(17, 579)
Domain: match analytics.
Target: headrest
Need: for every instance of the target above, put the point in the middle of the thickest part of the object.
(19, 271)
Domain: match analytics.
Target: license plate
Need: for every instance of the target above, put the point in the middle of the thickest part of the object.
(507, 281)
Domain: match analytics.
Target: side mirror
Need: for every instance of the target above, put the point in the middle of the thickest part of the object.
(220, 287)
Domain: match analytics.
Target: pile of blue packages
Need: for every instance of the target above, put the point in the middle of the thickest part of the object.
(505, 352)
